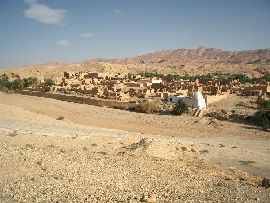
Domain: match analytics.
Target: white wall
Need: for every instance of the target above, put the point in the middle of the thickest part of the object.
(194, 103)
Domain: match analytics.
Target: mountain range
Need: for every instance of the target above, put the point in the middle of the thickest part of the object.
(201, 60)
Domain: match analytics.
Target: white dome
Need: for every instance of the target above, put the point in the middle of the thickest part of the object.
(197, 95)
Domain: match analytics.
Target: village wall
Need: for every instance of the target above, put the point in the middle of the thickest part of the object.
(81, 100)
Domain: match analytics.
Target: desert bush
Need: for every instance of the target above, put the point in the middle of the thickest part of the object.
(13, 134)
(180, 108)
(48, 82)
(204, 151)
(148, 106)
(246, 163)
(262, 116)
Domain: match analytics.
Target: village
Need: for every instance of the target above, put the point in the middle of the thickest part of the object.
(128, 90)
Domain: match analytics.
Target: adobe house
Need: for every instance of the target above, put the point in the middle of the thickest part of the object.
(256, 90)
(69, 75)
(134, 84)
(157, 86)
(91, 75)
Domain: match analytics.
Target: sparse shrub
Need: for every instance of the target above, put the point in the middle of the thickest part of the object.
(13, 134)
(149, 106)
(48, 82)
(262, 116)
(180, 108)
(30, 146)
(204, 151)
(39, 163)
(246, 163)
(75, 137)
(60, 118)
(102, 152)
(184, 148)
(55, 177)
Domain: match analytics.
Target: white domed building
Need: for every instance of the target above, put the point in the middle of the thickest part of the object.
(197, 101)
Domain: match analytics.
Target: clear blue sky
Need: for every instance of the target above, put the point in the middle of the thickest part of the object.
(33, 31)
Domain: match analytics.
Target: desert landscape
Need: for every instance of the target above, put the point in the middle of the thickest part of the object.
(55, 147)
(134, 101)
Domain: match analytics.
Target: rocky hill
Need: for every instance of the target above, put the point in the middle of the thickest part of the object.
(201, 55)
(202, 60)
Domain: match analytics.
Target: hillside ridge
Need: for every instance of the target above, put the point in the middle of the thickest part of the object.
(201, 60)
(201, 54)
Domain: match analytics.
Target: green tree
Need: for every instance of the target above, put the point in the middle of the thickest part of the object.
(27, 82)
(16, 84)
(4, 84)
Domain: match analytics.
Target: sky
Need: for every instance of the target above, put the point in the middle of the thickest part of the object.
(38, 31)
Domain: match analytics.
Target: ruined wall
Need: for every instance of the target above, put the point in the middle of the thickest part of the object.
(81, 100)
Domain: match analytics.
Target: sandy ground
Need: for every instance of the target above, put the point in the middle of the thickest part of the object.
(109, 155)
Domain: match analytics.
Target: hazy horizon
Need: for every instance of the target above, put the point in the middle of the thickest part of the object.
(38, 31)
